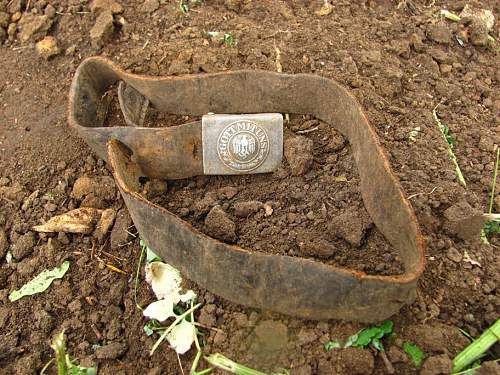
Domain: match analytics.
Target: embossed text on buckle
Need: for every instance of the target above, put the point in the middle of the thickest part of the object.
(242, 144)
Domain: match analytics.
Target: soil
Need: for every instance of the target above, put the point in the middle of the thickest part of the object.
(398, 58)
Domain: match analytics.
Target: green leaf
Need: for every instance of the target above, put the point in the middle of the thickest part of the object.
(387, 326)
(416, 354)
(366, 336)
(151, 256)
(40, 283)
(377, 344)
(332, 345)
(351, 340)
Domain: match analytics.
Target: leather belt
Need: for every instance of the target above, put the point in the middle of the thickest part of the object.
(290, 285)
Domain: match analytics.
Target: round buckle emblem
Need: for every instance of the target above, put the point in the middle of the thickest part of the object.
(243, 145)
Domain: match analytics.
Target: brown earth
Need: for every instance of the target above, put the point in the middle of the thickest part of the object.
(398, 58)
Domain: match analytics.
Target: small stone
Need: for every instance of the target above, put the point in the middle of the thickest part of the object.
(23, 246)
(437, 365)
(104, 225)
(111, 6)
(454, 255)
(299, 154)
(70, 50)
(149, 6)
(50, 11)
(111, 351)
(268, 209)
(120, 233)
(102, 30)
(439, 33)
(245, 209)
(484, 16)
(4, 181)
(219, 225)
(33, 27)
(47, 47)
(28, 202)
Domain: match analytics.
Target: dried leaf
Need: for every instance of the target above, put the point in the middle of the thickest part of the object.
(81, 220)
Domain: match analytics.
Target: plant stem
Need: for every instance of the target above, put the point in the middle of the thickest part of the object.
(171, 326)
(136, 286)
(477, 348)
(494, 182)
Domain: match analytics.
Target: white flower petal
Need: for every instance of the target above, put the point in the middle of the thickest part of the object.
(188, 296)
(165, 280)
(182, 337)
(160, 310)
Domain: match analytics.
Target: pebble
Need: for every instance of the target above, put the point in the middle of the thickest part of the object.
(50, 11)
(50, 207)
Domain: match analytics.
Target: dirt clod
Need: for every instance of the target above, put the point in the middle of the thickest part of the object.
(245, 209)
(23, 246)
(463, 220)
(111, 351)
(219, 225)
(318, 248)
(149, 6)
(120, 233)
(98, 6)
(439, 33)
(350, 226)
(47, 47)
(4, 243)
(299, 154)
(33, 27)
(437, 365)
(94, 191)
(103, 28)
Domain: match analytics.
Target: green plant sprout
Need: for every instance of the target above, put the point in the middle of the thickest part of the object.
(330, 345)
(493, 226)
(477, 349)
(450, 141)
(415, 353)
(370, 336)
(65, 365)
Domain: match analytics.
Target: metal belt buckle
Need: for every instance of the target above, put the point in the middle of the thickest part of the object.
(241, 144)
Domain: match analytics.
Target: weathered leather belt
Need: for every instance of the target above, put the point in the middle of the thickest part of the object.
(290, 285)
